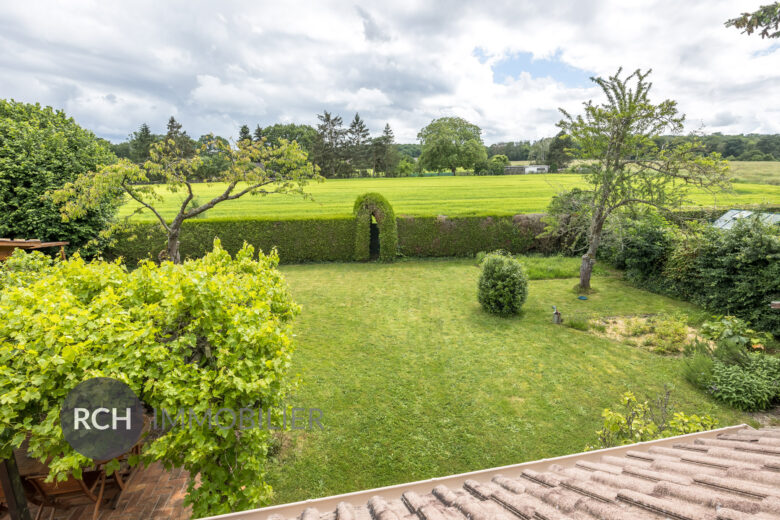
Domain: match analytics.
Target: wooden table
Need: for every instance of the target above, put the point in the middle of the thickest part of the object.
(7, 246)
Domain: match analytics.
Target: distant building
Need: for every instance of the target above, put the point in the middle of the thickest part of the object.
(521, 170)
(727, 220)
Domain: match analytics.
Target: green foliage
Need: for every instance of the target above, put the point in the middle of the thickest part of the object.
(366, 206)
(568, 219)
(301, 240)
(449, 143)
(751, 387)
(207, 334)
(41, 149)
(503, 285)
(250, 168)
(514, 151)
(638, 244)
(628, 167)
(559, 154)
(766, 18)
(304, 135)
(734, 332)
(638, 421)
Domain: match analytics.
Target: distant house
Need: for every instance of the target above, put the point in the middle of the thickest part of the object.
(727, 220)
(521, 170)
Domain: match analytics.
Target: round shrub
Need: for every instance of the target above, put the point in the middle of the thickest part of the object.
(503, 285)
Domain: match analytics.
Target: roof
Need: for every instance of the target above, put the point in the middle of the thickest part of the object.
(727, 474)
(727, 220)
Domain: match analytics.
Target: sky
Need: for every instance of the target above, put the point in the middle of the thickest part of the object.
(505, 66)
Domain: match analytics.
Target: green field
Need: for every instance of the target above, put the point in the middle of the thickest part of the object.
(415, 381)
(760, 172)
(427, 196)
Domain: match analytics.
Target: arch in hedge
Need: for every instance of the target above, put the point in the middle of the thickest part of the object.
(366, 206)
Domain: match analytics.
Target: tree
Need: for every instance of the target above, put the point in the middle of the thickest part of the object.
(628, 168)
(559, 153)
(538, 152)
(358, 142)
(244, 133)
(497, 163)
(385, 156)
(304, 135)
(42, 149)
(140, 142)
(250, 168)
(184, 144)
(766, 18)
(450, 143)
(258, 133)
(329, 146)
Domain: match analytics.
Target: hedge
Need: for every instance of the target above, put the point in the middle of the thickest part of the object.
(334, 239)
(303, 240)
(366, 206)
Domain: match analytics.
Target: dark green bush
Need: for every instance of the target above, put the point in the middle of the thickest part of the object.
(366, 206)
(639, 246)
(503, 285)
(41, 149)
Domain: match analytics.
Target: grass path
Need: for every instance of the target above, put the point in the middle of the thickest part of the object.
(426, 196)
(416, 381)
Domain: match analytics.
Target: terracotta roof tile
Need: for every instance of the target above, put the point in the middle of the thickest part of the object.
(734, 475)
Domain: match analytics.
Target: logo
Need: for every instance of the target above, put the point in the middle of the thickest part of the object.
(102, 418)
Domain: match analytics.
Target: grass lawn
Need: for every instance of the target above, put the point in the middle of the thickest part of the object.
(425, 196)
(415, 381)
(762, 172)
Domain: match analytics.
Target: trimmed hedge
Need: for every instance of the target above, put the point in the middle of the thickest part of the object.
(466, 236)
(304, 240)
(334, 239)
(374, 204)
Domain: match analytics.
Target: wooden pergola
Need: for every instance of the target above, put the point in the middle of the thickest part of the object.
(7, 246)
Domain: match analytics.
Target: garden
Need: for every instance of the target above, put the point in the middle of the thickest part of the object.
(436, 326)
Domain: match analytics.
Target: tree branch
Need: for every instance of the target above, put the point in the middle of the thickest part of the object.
(146, 205)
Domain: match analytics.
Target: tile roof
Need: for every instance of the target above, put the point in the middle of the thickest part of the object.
(727, 474)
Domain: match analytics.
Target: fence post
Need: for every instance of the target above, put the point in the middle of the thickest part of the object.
(12, 489)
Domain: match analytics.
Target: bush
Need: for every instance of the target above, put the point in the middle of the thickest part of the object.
(639, 246)
(366, 206)
(638, 421)
(41, 150)
(207, 334)
(750, 388)
(503, 285)
(568, 220)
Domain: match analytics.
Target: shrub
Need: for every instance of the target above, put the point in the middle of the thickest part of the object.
(366, 206)
(638, 421)
(697, 370)
(568, 220)
(639, 246)
(732, 331)
(207, 334)
(41, 149)
(750, 388)
(503, 285)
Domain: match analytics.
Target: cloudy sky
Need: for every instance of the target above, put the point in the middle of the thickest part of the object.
(506, 66)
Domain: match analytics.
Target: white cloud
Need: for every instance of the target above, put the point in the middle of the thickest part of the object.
(217, 66)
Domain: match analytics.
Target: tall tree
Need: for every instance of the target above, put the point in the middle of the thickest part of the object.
(766, 18)
(559, 152)
(140, 142)
(329, 147)
(304, 135)
(244, 133)
(184, 144)
(258, 133)
(451, 142)
(249, 168)
(628, 168)
(385, 155)
(357, 141)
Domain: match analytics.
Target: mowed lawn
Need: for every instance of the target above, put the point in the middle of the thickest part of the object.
(426, 196)
(415, 381)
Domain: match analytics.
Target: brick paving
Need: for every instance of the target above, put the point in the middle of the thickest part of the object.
(153, 494)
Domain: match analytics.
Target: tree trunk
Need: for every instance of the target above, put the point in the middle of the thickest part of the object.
(589, 258)
(173, 247)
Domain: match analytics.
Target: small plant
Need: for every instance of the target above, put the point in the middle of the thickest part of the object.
(503, 285)
(734, 332)
(638, 421)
